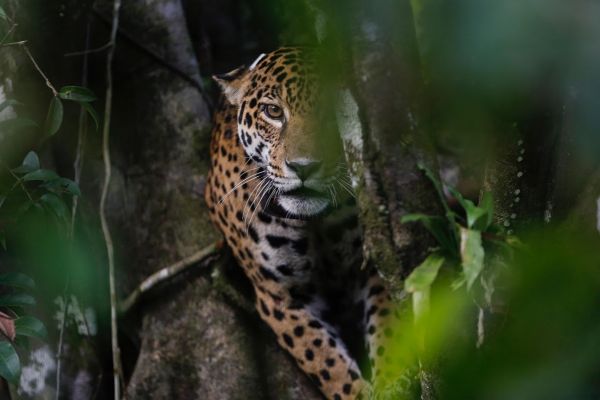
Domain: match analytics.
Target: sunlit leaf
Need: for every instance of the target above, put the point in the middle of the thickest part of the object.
(420, 300)
(41, 175)
(17, 279)
(77, 93)
(472, 254)
(16, 299)
(423, 276)
(30, 326)
(55, 117)
(55, 203)
(7, 326)
(10, 366)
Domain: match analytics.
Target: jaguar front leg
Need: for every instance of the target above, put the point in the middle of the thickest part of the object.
(314, 344)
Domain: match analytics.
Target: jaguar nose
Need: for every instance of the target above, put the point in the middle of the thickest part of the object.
(304, 167)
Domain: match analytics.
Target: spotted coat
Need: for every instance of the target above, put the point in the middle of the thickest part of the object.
(291, 222)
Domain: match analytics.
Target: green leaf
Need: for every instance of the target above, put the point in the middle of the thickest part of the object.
(3, 14)
(61, 185)
(17, 279)
(424, 275)
(55, 204)
(9, 103)
(41, 175)
(31, 160)
(415, 217)
(15, 124)
(478, 218)
(420, 303)
(10, 366)
(70, 187)
(31, 327)
(436, 183)
(92, 112)
(472, 254)
(16, 299)
(439, 227)
(2, 199)
(22, 169)
(3, 240)
(54, 118)
(76, 93)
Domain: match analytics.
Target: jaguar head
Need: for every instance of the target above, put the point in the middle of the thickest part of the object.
(286, 125)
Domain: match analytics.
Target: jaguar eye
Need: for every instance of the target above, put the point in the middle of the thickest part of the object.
(273, 111)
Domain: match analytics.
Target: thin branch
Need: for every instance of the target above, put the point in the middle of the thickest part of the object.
(35, 64)
(116, 353)
(8, 33)
(18, 182)
(22, 44)
(90, 51)
(166, 273)
(19, 43)
(197, 83)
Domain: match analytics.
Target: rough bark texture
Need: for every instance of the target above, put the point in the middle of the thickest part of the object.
(194, 342)
(386, 76)
(385, 143)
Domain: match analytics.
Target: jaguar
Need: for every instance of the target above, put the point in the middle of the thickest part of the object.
(279, 191)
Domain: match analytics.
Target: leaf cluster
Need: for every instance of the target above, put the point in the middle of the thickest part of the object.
(16, 327)
(462, 240)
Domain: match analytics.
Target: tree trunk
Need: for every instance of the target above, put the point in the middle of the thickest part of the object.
(195, 341)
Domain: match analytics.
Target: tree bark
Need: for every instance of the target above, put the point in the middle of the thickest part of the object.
(199, 339)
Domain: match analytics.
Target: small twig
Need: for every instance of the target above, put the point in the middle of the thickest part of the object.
(8, 33)
(166, 273)
(90, 51)
(18, 182)
(19, 43)
(23, 44)
(35, 64)
(116, 352)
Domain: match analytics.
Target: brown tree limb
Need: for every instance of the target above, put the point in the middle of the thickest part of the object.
(167, 273)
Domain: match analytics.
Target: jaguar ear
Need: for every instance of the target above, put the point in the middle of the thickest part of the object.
(232, 83)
